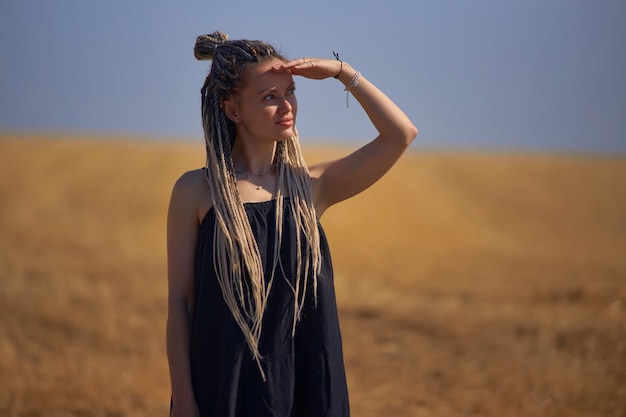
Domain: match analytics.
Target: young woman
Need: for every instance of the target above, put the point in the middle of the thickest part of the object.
(252, 324)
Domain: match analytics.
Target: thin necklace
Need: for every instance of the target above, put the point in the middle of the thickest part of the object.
(248, 175)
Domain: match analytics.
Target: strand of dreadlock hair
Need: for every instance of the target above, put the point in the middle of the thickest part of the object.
(237, 260)
(298, 183)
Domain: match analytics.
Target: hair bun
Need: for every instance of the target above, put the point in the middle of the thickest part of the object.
(206, 45)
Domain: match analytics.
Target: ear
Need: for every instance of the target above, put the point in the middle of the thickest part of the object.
(231, 110)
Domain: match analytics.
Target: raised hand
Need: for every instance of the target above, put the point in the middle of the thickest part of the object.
(314, 68)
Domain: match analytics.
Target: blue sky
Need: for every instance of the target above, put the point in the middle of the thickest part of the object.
(532, 74)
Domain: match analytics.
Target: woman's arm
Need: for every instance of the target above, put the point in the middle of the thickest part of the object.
(182, 231)
(343, 178)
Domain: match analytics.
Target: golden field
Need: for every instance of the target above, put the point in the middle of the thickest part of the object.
(469, 284)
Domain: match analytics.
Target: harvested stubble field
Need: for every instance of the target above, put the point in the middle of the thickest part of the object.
(469, 284)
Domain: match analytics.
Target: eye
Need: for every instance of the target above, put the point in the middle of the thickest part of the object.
(291, 90)
(268, 97)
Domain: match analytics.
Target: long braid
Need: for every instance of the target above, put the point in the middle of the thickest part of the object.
(238, 265)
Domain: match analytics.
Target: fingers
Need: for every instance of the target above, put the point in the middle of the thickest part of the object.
(307, 61)
(299, 63)
(314, 68)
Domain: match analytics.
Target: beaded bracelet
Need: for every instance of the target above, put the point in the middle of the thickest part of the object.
(354, 82)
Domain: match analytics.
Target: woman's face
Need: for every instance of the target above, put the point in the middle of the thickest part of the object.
(265, 109)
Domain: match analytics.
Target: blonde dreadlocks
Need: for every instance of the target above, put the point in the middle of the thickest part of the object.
(238, 267)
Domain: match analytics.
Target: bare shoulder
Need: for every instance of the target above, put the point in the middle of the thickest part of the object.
(193, 178)
(191, 193)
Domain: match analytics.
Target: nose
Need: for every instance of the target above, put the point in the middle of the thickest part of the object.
(285, 106)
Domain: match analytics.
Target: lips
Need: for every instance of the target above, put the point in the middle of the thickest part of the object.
(286, 122)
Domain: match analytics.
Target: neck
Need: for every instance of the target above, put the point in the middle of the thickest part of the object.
(246, 173)
(252, 158)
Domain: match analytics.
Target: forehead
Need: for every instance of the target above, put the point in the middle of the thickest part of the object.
(260, 77)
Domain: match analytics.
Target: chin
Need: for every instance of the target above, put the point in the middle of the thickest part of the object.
(286, 134)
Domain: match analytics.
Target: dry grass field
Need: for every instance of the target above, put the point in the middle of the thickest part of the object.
(469, 284)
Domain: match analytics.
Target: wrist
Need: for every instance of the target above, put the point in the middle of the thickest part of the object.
(346, 74)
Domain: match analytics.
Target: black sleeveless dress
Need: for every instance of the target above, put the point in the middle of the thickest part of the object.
(305, 373)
